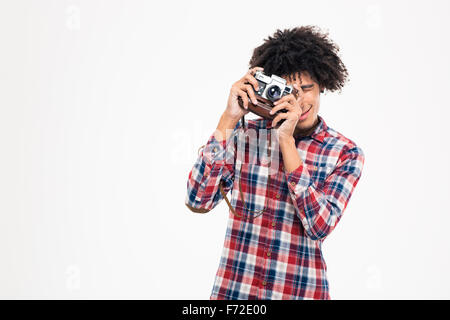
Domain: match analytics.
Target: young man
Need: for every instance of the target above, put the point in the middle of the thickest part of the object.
(279, 218)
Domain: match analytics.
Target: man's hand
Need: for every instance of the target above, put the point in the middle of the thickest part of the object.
(245, 89)
(294, 109)
(293, 105)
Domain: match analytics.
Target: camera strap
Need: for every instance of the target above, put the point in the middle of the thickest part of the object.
(222, 191)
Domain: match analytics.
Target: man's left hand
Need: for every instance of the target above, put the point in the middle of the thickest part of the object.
(294, 109)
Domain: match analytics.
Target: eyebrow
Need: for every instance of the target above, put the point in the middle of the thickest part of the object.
(306, 86)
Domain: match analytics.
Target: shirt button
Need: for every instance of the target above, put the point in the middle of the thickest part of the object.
(293, 183)
(277, 196)
(264, 283)
(268, 253)
(215, 149)
(273, 224)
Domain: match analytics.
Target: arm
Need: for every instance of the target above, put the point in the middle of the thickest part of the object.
(214, 164)
(216, 161)
(320, 209)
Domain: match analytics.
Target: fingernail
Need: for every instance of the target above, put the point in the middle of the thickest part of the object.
(255, 101)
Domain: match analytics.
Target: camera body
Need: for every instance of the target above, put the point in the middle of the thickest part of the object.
(271, 88)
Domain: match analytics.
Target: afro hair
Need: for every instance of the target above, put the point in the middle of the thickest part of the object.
(300, 49)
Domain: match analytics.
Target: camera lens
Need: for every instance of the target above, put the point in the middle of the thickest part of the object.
(274, 93)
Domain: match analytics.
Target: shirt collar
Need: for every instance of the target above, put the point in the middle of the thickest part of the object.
(320, 131)
(318, 134)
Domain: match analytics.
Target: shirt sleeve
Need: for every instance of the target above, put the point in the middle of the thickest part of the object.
(214, 164)
(320, 209)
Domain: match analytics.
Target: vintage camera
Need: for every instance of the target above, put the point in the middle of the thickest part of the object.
(271, 88)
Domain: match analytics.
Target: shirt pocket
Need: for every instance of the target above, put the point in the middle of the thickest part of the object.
(319, 172)
(253, 180)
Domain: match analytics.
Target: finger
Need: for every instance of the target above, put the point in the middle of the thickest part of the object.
(252, 80)
(278, 118)
(281, 100)
(289, 97)
(244, 97)
(254, 69)
(291, 100)
(298, 92)
(299, 88)
(251, 93)
(284, 105)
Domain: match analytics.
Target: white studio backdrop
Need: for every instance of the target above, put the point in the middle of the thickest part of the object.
(103, 105)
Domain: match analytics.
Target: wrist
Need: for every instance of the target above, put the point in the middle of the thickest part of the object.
(286, 140)
(229, 118)
(225, 127)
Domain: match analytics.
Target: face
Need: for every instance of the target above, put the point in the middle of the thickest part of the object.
(311, 99)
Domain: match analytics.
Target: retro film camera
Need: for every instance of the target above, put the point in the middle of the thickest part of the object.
(270, 90)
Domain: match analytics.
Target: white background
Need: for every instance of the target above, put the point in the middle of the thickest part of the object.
(103, 105)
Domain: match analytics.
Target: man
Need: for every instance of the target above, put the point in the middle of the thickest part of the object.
(278, 220)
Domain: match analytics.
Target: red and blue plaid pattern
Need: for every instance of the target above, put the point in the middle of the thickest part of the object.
(276, 255)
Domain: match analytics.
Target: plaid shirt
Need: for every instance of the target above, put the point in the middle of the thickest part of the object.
(278, 254)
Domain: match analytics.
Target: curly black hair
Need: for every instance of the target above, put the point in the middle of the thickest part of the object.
(303, 48)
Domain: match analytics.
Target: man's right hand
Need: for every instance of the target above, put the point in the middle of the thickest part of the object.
(242, 88)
